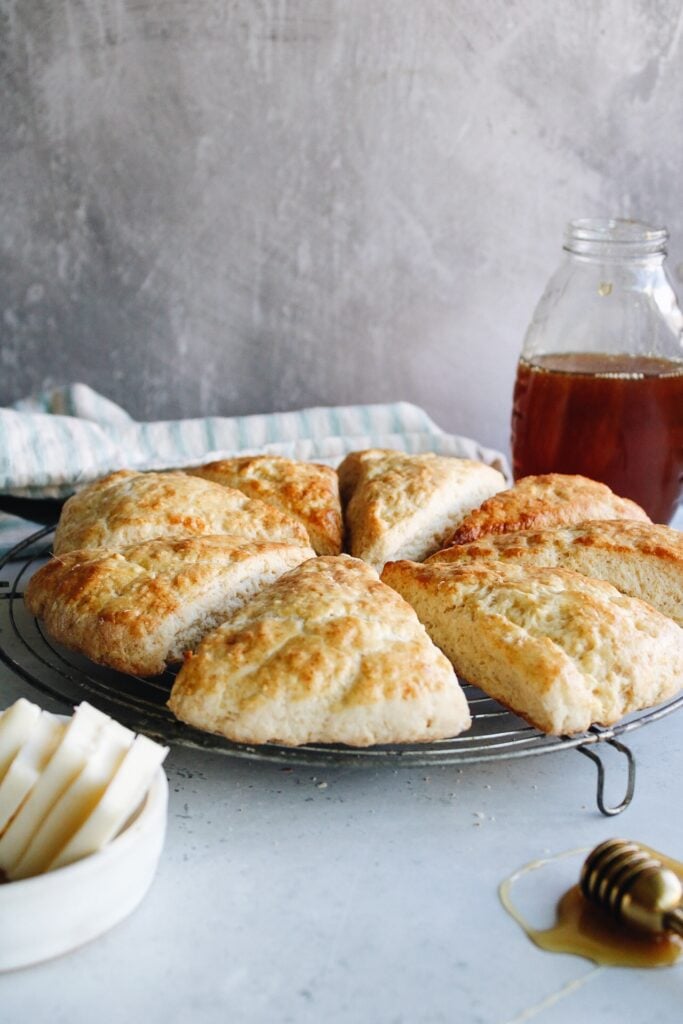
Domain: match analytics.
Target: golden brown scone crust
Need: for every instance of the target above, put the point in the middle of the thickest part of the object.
(327, 654)
(305, 490)
(543, 502)
(141, 608)
(640, 559)
(403, 506)
(562, 650)
(127, 508)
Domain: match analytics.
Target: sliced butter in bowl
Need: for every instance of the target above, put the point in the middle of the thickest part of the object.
(27, 764)
(15, 726)
(81, 846)
(77, 803)
(125, 790)
(79, 741)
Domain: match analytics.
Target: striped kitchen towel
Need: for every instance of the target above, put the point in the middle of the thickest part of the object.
(53, 443)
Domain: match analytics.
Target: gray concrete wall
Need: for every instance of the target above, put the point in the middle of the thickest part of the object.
(230, 206)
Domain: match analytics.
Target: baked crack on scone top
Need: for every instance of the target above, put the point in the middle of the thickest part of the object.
(305, 490)
(405, 506)
(128, 507)
(328, 654)
(640, 559)
(544, 502)
(141, 608)
(562, 650)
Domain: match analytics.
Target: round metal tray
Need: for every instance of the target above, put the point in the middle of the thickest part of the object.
(496, 733)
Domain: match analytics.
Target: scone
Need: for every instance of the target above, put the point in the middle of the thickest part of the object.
(141, 608)
(639, 559)
(404, 506)
(328, 654)
(127, 508)
(544, 502)
(304, 490)
(562, 650)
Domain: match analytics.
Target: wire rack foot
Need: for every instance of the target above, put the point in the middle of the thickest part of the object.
(591, 752)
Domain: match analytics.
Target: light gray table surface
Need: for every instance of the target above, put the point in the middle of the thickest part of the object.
(365, 895)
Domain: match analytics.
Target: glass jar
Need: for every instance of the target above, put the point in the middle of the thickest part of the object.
(599, 387)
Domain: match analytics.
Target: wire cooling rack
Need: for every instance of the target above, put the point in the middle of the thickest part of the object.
(140, 703)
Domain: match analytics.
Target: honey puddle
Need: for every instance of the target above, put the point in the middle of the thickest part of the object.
(587, 931)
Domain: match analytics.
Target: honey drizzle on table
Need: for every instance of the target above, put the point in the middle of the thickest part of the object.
(585, 930)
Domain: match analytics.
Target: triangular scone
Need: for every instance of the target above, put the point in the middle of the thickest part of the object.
(560, 649)
(305, 490)
(127, 508)
(328, 654)
(544, 502)
(140, 608)
(404, 506)
(639, 559)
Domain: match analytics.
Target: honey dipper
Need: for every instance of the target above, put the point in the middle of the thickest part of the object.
(633, 887)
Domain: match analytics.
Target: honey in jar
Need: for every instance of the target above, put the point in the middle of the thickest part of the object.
(599, 388)
(614, 418)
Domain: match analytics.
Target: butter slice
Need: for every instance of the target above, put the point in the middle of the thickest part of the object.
(27, 764)
(118, 802)
(76, 803)
(78, 743)
(15, 727)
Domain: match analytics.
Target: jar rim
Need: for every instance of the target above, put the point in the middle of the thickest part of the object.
(615, 231)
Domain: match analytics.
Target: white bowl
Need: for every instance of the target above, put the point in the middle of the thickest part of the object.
(53, 913)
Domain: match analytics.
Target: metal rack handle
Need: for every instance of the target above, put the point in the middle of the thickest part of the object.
(588, 751)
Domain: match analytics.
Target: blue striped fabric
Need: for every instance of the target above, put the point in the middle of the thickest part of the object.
(53, 443)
